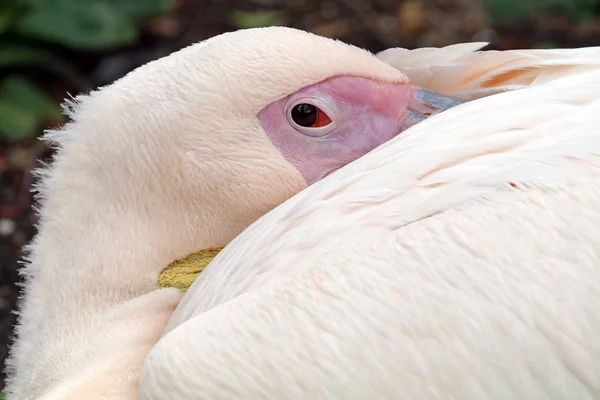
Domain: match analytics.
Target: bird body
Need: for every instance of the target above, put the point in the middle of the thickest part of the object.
(456, 260)
(469, 273)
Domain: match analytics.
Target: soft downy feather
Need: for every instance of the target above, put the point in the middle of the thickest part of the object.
(464, 71)
(459, 260)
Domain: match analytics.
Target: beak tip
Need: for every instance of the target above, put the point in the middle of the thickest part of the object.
(426, 103)
(436, 101)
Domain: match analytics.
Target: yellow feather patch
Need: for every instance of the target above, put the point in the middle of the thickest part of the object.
(182, 273)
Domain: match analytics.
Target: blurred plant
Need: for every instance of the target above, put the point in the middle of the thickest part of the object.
(505, 10)
(35, 35)
(257, 19)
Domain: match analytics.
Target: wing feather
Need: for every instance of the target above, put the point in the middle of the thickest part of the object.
(464, 71)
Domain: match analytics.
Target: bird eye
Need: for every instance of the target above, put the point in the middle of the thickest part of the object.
(309, 116)
(309, 119)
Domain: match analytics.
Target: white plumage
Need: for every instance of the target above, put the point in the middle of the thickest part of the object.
(457, 261)
(464, 71)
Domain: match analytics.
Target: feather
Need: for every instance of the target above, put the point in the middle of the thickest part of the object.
(464, 71)
(443, 264)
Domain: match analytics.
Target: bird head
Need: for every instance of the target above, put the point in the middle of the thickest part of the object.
(219, 133)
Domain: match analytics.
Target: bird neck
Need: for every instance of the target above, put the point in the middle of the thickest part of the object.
(92, 308)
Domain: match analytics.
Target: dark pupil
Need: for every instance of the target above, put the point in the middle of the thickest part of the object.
(305, 114)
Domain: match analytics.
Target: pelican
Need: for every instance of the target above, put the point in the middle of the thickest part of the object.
(383, 239)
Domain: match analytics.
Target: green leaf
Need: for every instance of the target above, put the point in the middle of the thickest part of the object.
(38, 59)
(503, 10)
(8, 14)
(23, 107)
(78, 24)
(32, 3)
(546, 45)
(12, 55)
(256, 19)
(141, 10)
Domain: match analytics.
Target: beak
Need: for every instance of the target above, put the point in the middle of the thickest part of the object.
(425, 103)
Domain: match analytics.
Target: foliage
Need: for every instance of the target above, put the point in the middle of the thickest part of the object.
(256, 19)
(29, 28)
(506, 10)
(23, 107)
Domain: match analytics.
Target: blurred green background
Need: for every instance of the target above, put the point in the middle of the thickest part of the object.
(50, 49)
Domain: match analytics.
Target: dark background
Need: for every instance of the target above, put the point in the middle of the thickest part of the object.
(51, 47)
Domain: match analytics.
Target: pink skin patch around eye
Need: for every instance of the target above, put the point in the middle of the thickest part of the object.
(366, 114)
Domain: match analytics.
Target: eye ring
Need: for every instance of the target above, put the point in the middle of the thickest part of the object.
(311, 117)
